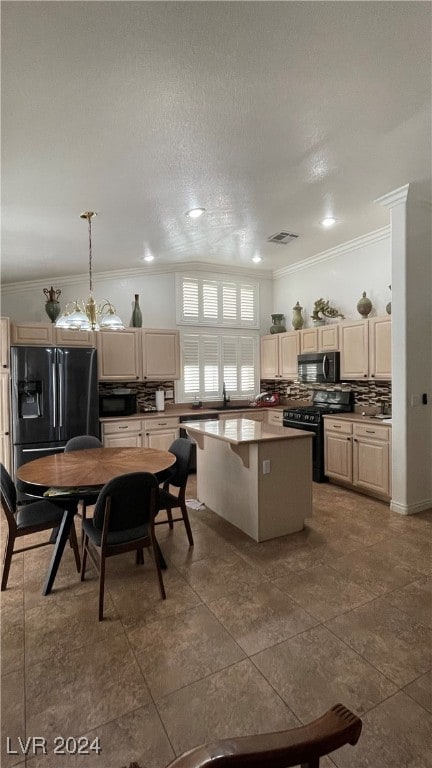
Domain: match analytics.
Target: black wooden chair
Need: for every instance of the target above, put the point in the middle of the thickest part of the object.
(123, 521)
(303, 746)
(177, 477)
(27, 519)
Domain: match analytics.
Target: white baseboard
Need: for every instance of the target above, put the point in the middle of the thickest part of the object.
(411, 509)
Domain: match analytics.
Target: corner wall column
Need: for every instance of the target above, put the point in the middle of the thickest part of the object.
(411, 349)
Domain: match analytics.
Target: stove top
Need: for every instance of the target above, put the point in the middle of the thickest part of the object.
(324, 402)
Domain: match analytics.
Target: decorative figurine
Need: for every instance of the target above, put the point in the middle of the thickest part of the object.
(321, 310)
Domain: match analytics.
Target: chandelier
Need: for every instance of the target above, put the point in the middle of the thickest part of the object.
(81, 315)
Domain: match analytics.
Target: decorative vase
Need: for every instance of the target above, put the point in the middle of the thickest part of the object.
(297, 318)
(136, 313)
(278, 325)
(364, 305)
(388, 306)
(52, 306)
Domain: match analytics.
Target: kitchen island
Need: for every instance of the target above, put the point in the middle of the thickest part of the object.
(256, 476)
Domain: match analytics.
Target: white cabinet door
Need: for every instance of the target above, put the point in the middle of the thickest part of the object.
(309, 340)
(161, 440)
(4, 343)
(133, 440)
(5, 435)
(66, 337)
(289, 348)
(269, 356)
(354, 343)
(119, 355)
(328, 338)
(380, 348)
(33, 334)
(160, 354)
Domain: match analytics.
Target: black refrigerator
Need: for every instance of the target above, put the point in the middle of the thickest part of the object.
(54, 398)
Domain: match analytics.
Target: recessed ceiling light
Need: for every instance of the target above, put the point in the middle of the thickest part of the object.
(328, 221)
(149, 257)
(256, 259)
(195, 213)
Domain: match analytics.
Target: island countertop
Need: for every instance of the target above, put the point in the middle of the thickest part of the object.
(239, 431)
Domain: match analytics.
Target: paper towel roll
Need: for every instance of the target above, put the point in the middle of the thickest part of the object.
(160, 400)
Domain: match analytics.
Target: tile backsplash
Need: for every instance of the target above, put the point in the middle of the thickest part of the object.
(146, 397)
(371, 394)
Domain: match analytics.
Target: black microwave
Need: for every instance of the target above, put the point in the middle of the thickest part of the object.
(112, 404)
(319, 368)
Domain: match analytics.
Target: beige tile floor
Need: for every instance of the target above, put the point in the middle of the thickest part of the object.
(252, 638)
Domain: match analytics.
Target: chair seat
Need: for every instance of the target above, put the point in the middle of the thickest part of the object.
(38, 513)
(114, 537)
(167, 499)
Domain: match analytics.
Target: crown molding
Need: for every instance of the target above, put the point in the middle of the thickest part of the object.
(393, 198)
(125, 274)
(338, 250)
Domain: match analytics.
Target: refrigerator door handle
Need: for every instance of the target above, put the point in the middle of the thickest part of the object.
(54, 386)
(61, 390)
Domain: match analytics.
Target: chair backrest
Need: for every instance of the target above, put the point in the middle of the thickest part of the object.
(81, 442)
(134, 501)
(303, 746)
(182, 450)
(8, 494)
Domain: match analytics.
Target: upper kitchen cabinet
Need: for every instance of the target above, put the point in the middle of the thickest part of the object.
(119, 355)
(160, 354)
(32, 334)
(66, 337)
(279, 355)
(325, 338)
(366, 349)
(4, 343)
(380, 348)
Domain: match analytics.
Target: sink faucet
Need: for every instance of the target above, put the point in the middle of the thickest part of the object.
(226, 397)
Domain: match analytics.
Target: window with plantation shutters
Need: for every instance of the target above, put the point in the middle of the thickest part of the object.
(210, 300)
(209, 360)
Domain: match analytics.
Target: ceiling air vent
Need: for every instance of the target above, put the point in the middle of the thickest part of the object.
(283, 238)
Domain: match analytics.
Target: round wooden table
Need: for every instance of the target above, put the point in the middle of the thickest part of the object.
(89, 469)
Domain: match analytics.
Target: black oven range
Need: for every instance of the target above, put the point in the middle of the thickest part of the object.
(309, 418)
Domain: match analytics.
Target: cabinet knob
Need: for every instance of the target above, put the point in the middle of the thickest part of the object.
(372, 375)
(4, 365)
(355, 439)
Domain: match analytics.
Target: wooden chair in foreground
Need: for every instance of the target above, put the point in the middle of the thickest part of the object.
(303, 746)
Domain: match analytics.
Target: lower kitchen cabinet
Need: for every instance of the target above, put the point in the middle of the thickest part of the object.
(161, 432)
(275, 418)
(156, 433)
(358, 455)
(122, 434)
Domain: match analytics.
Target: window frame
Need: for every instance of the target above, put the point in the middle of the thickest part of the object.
(214, 292)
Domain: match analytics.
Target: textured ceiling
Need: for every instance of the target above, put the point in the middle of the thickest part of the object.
(271, 115)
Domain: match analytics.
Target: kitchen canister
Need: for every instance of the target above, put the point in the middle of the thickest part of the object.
(160, 400)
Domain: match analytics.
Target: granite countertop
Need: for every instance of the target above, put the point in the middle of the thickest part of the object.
(358, 418)
(242, 431)
(184, 410)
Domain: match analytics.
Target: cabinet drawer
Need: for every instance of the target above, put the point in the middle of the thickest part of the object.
(275, 418)
(344, 427)
(162, 422)
(120, 427)
(371, 432)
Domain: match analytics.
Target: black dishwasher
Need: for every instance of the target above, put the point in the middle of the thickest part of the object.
(183, 433)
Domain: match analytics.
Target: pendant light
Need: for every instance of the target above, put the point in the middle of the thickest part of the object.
(88, 315)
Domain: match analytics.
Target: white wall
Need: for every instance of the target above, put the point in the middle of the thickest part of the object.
(341, 276)
(26, 301)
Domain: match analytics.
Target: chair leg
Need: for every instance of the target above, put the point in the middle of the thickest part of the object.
(74, 544)
(170, 518)
(139, 557)
(101, 585)
(84, 556)
(187, 523)
(158, 568)
(7, 560)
